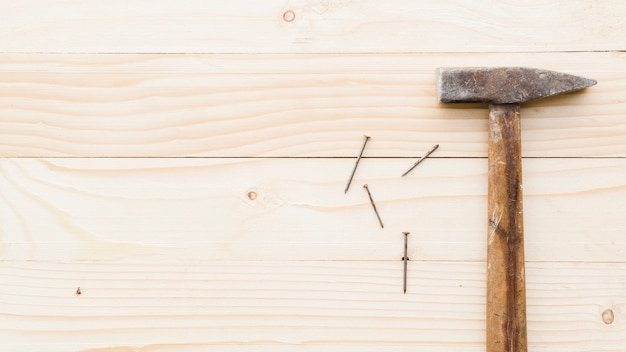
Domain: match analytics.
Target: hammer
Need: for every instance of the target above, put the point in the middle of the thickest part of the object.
(504, 88)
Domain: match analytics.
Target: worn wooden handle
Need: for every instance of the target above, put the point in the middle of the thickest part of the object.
(506, 288)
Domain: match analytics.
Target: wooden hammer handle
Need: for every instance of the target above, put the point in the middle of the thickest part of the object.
(506, 288)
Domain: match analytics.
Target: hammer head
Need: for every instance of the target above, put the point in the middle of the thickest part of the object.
(503, 85)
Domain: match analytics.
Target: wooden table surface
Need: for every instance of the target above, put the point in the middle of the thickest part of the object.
(172, 175)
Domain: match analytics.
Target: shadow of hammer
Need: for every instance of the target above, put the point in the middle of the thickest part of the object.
(504, 88)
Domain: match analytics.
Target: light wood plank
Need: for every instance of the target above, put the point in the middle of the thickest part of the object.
(308, 306)
(246, 26)
(288, 105)
(234, 253)
(203, 209)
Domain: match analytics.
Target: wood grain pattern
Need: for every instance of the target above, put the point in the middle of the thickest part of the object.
(297, 305)
(246, 26)
(288, 105)
(295, 209)
(234, 251)
(506, 282)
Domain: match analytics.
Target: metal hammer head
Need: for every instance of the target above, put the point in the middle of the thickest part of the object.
(503, 85)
